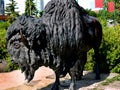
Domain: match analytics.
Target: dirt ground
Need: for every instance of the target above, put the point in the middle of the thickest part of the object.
(15, 81)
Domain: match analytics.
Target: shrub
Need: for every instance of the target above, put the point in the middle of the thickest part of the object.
(3, 50)
(109, 51)
(90, 12)
(4, 25)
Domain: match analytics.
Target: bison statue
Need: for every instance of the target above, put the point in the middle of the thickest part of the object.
(59, 39)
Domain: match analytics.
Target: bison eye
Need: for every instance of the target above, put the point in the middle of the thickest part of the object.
(16, 45)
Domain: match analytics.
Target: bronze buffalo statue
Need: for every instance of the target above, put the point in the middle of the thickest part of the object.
(59, 39)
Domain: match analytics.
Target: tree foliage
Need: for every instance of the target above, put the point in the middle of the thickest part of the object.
(30, 8)
(11, 10)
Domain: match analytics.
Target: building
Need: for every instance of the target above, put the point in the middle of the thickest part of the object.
(3, 17)
(40, 5)
(2, 11)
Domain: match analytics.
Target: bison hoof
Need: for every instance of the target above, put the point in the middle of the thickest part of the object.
(56, 86)
(72, 86)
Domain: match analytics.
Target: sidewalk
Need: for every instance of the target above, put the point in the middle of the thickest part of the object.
(16, 78)
(15, 81)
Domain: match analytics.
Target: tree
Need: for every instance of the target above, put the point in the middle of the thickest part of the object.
(11, 10)
(30, 8)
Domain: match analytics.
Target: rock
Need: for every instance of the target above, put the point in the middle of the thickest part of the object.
(3, 65)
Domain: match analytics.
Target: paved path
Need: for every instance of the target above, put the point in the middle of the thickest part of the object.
(16, 78)
(15, 81)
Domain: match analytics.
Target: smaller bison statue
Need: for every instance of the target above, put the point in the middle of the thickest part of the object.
(59, 39)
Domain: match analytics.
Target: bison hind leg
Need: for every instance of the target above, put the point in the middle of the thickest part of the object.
(97, 64)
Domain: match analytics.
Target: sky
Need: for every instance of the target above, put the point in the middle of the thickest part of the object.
(84, 3)
(20, 5)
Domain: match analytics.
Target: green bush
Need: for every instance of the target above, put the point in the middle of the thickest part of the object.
(90, 12)
(4, 25)
(109, 51)
(3, 49)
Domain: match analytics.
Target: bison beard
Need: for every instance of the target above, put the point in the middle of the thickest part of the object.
(60, 39)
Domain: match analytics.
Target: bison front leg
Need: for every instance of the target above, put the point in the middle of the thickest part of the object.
(57, 83)
(72, 73)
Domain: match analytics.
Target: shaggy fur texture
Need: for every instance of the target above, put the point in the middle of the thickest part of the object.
(20, 36)
(75, 26)
(60, 39)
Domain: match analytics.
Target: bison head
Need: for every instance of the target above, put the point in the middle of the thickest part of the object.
(24, 42)
(22, 55)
